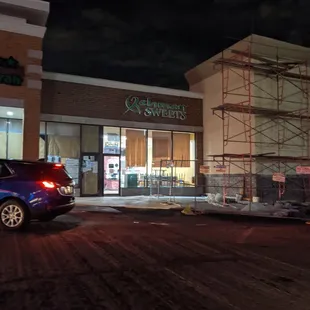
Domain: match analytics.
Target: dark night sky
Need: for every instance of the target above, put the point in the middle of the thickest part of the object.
(156, 42)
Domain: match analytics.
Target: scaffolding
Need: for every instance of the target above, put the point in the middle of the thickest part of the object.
(265, 119)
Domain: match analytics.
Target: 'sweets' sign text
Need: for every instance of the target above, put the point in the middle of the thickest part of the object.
(150, 108)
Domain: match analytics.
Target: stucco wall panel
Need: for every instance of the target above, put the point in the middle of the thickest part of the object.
(283, 137)
(213, 125)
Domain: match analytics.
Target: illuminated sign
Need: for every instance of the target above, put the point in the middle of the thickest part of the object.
(11, 73)
(147, 107)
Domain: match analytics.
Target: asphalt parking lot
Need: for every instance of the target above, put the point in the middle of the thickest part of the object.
(91, 260)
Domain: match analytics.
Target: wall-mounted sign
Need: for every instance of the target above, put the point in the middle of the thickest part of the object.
(204, 169)
(220, 168)
(11, 73)
(303, 170)
(111, 147)
(147, 107)
(278, 177)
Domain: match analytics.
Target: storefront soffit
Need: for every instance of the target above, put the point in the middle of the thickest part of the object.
(111, 122)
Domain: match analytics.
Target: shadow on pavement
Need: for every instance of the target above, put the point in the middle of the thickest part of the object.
(58, 225)
(256, 219)
(157, 212)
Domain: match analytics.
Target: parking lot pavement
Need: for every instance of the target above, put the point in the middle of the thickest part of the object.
(142, 261)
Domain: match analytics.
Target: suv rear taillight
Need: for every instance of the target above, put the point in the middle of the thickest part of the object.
(62, 190)
(48, 184)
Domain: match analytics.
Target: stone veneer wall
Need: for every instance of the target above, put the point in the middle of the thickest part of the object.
(297, 188)
(215, 183)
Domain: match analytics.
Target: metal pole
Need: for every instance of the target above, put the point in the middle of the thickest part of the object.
(250, 122)
(175, 173)
(195, 184)
(159, 178)
(171, 182)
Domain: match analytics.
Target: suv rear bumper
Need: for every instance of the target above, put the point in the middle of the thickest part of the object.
(61, 209)
(49, 211)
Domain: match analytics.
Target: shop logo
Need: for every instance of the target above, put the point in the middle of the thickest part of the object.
(11, 73)
(147, 107)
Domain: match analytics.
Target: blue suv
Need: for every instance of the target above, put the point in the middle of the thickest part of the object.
(33, 191)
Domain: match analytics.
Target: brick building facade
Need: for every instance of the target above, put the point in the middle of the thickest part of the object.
(144, 127)
(21, 56)
(75, 99)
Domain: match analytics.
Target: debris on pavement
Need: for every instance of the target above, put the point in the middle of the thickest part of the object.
(236, 204)
(258, 206)
(188, 210)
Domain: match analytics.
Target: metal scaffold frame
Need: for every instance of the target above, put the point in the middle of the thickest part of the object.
(238, 105)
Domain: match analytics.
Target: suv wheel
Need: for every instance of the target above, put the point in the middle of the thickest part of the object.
(12, 215)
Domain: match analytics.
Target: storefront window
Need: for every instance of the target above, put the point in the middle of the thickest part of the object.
(90, 139)
(64, 146)
(3, 137)
(159, 155)
(184, 159)
(111, 140)
(15, 139)
(11, 138)
(42, 140)
(133, 158)
(159, 149)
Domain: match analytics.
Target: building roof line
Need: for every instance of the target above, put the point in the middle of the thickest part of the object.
(38, 5)
(119, 85)
(34, 11)
(253, 44)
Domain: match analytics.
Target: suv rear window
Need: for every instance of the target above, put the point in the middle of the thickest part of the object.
(40, 171)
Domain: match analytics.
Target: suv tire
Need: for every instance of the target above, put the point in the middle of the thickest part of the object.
(13, 215)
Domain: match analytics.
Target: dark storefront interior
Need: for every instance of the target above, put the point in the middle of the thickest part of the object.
(107, 160)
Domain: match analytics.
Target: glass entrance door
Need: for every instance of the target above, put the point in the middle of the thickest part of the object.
(111, 175)
(89, 175)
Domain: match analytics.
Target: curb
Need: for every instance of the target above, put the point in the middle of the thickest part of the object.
(149, 211)
(124, 209)
(214, 214)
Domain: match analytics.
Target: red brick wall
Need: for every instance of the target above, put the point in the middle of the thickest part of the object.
(100, 102)
(17, 46)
